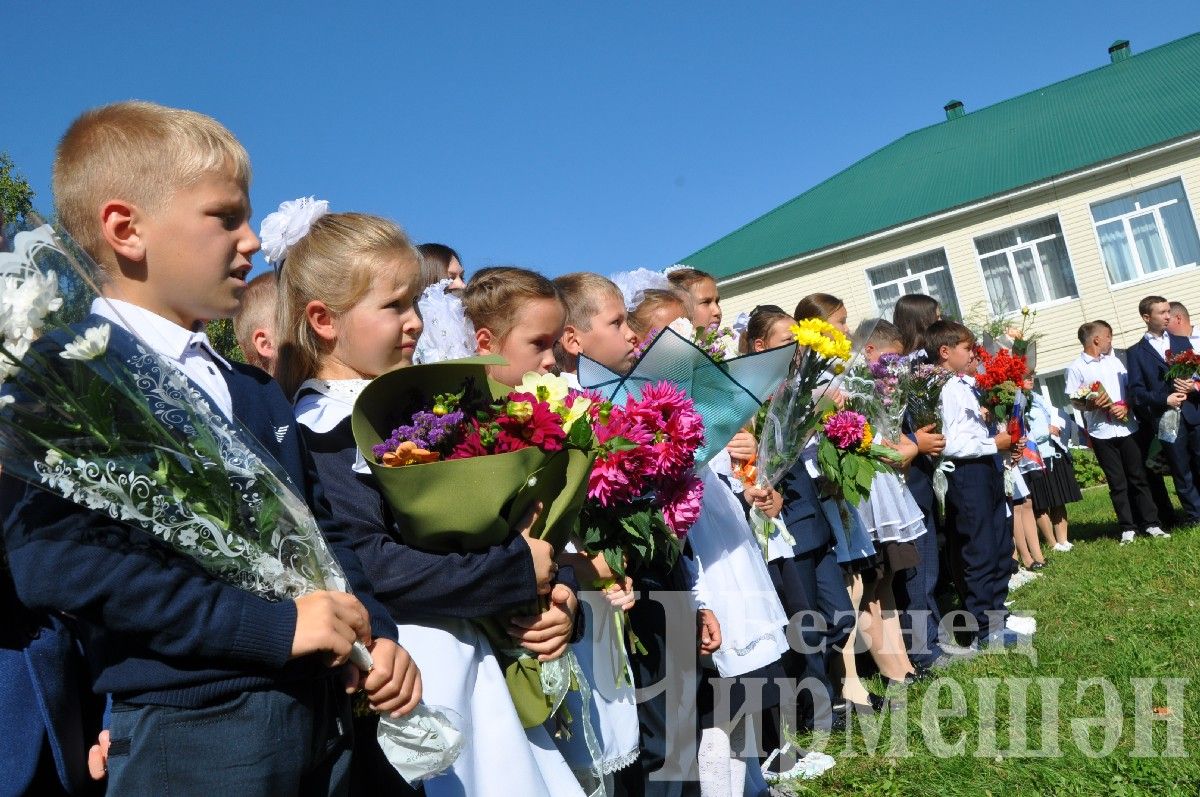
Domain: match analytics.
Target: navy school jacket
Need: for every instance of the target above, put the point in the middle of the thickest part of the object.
(1148, 386)
(156, 627)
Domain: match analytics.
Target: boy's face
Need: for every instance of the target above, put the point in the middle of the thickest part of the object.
(610, 341)
(529, 345)
(959, 358)
(1156, 320)
(876, 350)
(196, 251)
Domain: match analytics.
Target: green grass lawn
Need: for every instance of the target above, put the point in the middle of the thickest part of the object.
(1109, 617)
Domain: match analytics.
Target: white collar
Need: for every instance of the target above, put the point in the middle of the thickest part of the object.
(1164, 336)
(1087, 358)
(343, 391)
(163, 336)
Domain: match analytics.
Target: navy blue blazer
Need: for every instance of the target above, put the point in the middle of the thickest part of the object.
(1148, 384)
(802, 512)
(158, 628)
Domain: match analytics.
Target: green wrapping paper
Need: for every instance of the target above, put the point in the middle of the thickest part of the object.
(466, 504)
(470, 504)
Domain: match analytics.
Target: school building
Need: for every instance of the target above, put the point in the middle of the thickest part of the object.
(1076, 200)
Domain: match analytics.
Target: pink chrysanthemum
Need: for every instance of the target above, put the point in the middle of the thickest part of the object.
(845, 429)
(616, 478)
(666, 397)
(681, 505)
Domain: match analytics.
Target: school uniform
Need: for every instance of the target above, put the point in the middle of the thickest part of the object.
(1114, 442)
(820, 577)
(178, 649)
(1149, 389)
(916, 587)
(433, 598)
(977, 516)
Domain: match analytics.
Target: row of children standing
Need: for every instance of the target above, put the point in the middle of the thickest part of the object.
(212, 688)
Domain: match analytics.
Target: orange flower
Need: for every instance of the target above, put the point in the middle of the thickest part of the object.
(409, 454)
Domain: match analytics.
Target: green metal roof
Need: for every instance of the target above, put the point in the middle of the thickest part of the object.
(1122, 107)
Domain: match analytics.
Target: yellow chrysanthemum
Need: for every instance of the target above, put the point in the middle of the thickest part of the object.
(821, 337)
(868, 436)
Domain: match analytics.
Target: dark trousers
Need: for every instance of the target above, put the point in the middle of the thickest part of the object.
(977, 520)
(916, 597)
(269, 742)
(1155, 483)
(824, 589)
(1122, 460)
(648, 620)
(809, 657)
(1183, 456)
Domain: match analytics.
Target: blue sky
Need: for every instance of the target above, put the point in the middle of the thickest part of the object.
(554, 135)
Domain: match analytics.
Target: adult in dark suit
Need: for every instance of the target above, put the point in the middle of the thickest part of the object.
(1153, 395)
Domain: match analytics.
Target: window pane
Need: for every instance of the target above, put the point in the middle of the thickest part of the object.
(939, 285)
(927, 261)
(1000, 287)
(885, 299)
(887, 273)
(1181, 232)
(1112, 207)
(1118, 259)
(1162, 193)
(987, 244)
(1039, 229)
(1056, 265)
(1027, 272)
(1149, 243)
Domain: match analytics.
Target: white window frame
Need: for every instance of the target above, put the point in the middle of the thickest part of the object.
(1022, 299)
(871, 287)
(1143, 275)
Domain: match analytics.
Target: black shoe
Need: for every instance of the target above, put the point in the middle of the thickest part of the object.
(1037, 566)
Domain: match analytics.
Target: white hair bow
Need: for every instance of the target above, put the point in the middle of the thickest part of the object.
(282, 229)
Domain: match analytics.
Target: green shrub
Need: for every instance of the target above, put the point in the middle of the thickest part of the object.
(1087, 470)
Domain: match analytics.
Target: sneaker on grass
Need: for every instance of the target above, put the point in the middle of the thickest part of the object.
(1155, 531)
(1127, 536)
(1026, 626)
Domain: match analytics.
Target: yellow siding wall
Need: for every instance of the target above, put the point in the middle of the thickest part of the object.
(844, 273)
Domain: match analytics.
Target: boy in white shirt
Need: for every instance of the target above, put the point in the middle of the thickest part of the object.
(1110, 427)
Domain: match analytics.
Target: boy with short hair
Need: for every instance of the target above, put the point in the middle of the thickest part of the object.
(1110, 428)
(1152, 395)
(597, 326)
(254, 323)
(976, 504)
(215, 689)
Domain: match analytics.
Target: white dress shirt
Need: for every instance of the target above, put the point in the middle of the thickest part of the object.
(191, 352)
(1110, 372)
(1161, 343)
(962, 421)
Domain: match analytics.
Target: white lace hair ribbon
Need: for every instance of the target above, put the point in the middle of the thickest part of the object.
(448, 333)
(635, 283)
(282, 229)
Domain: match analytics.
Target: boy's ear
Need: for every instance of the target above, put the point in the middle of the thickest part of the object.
(320, 318)
(570, 341)
(943, 353)
(120, 223)
(484, 340)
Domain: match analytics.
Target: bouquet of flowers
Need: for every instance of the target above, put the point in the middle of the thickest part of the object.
(725, 393)
(432, 434)
(427, 427)
(91, 414)
(1183, 365)
(1095, 391)
(719, 343)
(848, 456)
(874, 390)
(922, 391)
(1000, 379)
(643, 494)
